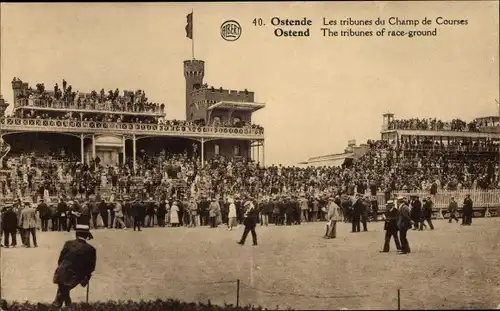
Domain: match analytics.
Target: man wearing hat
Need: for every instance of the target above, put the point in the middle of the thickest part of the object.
(391, 226)
(28, 223)
(75, 265)
(452, 209)
(404, 223)
(334, 215)
(416, 211)
(9, 225)
(250, 221)
(427, 214)
(44, 213)
(118, 220)
(467, 211)
(214, 211)
(357, 210)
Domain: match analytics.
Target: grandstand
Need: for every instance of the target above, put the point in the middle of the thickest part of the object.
(63, 132)
(62, 141)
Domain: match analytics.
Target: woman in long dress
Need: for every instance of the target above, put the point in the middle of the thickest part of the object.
(174, 215)
(232, 222)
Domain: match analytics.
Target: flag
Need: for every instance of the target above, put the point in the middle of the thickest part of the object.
(189, 26)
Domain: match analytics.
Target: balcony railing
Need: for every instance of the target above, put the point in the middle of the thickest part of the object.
(106, 107)
(72, 126)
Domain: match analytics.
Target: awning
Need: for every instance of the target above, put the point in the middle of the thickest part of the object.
(237, 106)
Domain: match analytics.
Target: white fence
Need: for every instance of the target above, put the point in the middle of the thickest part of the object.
(480, 198)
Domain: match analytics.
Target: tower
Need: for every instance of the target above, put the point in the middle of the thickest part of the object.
(17, 88)
(194, 71)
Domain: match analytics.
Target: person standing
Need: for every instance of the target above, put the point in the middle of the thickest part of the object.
(94, 210)
(250, 222)
(75, 265)
(304, 209)
(366, 213)
(427, 214)
(119, 215)
(9, 226)
(213, 209)
(232, 221)
(193, 212)
(62, 211)
(452, 209)
(267, 209)
(334, 215)
(18, 208)
(44, 214)
(391, 227)
(103, 211)
(357, 211)
(28, 223)
(174, 215)
(416, 212)
(404, 224)
(135, 212)
(467, 211)
(161, 212)
(54, 216)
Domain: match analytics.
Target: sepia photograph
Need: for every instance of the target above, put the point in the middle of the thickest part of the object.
(326, 155)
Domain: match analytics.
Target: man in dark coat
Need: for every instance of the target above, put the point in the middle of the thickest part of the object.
(427, 214)
(366, 213)
(76, 264)
(347, 209)
(374, 205)
(161, 212)
(391, 226)
(404, 223)
(62, 211)
(250, 221)
(467, 211)
(103, 210)
(54, 216)
(9, 226)
(136, 213)
(289, 209)
(357, 210)
(44, 213)
(452, 209)
(416, 212)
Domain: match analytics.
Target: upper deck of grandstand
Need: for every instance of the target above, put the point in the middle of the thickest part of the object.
(66, 103)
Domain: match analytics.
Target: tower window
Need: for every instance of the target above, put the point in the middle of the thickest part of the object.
(237, 150)
(216, 149)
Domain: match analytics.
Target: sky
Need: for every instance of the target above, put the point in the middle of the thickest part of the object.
(319, 91)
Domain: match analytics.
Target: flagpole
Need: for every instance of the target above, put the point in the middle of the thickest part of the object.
(192, 33)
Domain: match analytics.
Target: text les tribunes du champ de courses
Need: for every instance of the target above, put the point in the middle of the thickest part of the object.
(387, 27)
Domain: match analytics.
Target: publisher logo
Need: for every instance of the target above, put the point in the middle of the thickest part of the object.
(230, 30)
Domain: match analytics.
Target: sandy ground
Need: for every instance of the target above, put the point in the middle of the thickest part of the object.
(450, 267)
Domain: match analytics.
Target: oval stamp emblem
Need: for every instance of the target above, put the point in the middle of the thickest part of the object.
(230, 30)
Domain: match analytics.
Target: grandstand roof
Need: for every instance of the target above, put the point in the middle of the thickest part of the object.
(237, 105)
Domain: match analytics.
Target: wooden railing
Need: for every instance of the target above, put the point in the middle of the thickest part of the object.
(72, 126)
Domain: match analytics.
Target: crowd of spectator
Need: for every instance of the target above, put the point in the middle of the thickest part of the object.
(432, 124)
(385, 168)
(67, 98)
